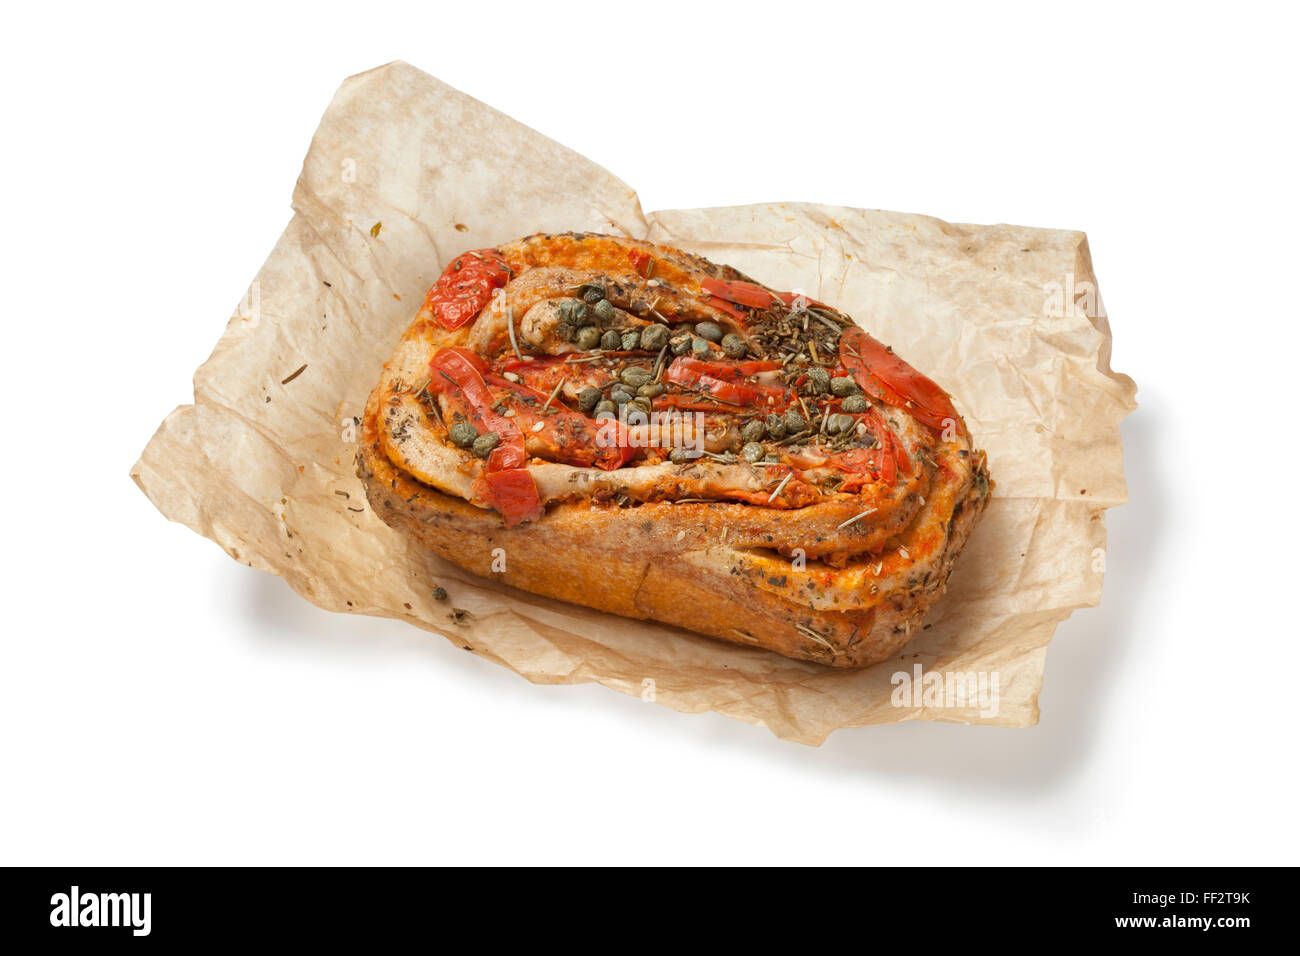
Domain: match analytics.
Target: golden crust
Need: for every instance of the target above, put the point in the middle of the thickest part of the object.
(736, 571)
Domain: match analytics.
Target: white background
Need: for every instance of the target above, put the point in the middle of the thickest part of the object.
(160, 703)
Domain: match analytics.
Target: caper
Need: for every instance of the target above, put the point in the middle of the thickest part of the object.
(631, 340)
(854, 404)
(709, 330)
(654, 337)
(734, 345)
(652, 390)
(641, 403)
(440, 593)
(605, 407)
(699, 345)
(772, 457)
(843, 386)
(753, 451)
(573, 311)
(588, 338)
(588, 399)
(611, 341)
(604, 311)
(592, 292)
(463, 434)
(752, 432)
(794, 422)
(837, 424)
(484, 444)
(680, 344)
(680, 456)
(620, 395)
(776, 426)
(819, 380)
(635, 376)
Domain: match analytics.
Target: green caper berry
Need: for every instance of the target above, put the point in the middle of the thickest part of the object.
(630, 340)
(776, 426)
(484, 444)
(654, 337)
(588, 398)
(840, 423)
(620, 395)
(588, 338)
(592, 293)
(605, 407)
(752, 432)
(463, 434)
(794, 422)
(699, 345)
(753, 452)
(680, 345)
(641, 403)
(843, 386)
(772, 457)
(604, 311)
(611, 341)
(653, 390)
(635, 376)
(573, 311)
(679, 456)
(819, 379)
(709, 330)
(734, 345)
(855, 404)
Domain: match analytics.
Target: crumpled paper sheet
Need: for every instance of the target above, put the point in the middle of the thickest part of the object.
(263, 459)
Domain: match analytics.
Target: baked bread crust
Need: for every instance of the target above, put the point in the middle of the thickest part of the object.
(719, 544)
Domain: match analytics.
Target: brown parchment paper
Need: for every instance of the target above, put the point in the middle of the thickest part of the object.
(258, 462)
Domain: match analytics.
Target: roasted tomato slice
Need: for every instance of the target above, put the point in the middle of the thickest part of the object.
(460, 367)
(733, 370)
(884, 376)
(505, 483)
(564, 435)
(722, 305)
(464, 370)
(750, 294)
(742, 293)
(466, 286)
(724, 381)
(513, 493)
